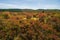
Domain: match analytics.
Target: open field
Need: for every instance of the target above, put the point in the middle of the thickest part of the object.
(27, 24)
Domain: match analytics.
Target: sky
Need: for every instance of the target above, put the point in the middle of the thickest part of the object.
(29, 4)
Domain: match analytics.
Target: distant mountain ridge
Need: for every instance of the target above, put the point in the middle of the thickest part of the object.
(20, 10)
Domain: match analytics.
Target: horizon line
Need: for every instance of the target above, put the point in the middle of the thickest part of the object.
(31, 8)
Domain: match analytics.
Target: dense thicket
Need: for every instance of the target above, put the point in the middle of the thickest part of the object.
(28, 24)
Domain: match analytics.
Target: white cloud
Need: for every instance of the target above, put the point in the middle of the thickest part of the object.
(48, 6)
(51, 7)
(3, 5)
(6, 6)
(41, 6)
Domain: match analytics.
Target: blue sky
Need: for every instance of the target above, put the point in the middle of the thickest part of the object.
(30, 4)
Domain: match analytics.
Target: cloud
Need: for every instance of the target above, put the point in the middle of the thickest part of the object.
(23, 6)
(6, 6)
(48, 6)
(51, 7)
